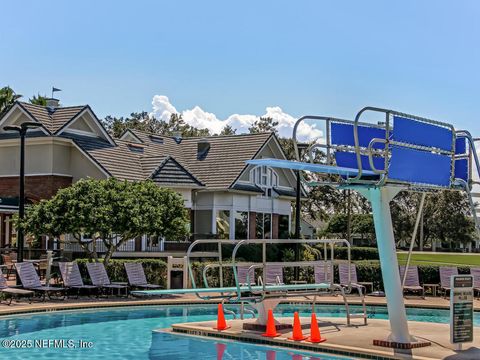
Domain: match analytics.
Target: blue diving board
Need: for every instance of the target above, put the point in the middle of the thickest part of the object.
(233, 289)
(317, 168)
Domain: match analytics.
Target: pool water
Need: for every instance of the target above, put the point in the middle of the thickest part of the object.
(126, 333)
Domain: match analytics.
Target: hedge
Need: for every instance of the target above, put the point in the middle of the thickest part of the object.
(356, 252)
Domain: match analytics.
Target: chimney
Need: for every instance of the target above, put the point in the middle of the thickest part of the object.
(203, 146)
(52, 104)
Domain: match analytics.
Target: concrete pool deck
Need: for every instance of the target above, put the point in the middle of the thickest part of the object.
(353, 341)
(84, 302)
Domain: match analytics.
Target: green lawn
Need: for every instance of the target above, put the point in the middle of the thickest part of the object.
(440, 259)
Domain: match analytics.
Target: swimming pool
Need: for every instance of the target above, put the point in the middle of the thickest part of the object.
(126, 333)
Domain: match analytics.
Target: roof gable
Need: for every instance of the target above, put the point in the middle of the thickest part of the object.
(171, 173)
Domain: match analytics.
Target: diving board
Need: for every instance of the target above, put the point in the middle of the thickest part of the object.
(233, 289)
(317, 168)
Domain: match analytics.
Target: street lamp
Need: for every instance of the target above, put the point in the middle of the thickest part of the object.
(22, 131)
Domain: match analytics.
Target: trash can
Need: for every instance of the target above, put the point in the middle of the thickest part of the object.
(176, 280)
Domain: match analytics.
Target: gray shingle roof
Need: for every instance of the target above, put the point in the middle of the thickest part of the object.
(52, 120)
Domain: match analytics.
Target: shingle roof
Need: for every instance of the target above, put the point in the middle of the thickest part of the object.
(55, 119)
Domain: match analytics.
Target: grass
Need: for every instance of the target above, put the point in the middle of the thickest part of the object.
(441, 259)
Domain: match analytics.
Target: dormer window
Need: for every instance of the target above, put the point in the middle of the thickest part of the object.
(137, 148)
(265, 178)
(156, 139)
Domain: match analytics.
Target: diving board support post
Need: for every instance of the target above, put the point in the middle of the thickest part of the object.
(380, 198)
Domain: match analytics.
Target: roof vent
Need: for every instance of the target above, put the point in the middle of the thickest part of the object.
(203, 146)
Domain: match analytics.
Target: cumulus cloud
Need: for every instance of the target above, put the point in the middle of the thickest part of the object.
(199, 118)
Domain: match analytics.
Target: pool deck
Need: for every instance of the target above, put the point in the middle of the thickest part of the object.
(354, 341)
(84, 302)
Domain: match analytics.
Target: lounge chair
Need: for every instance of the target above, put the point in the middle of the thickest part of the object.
(72, 279)
(136, 276)
(242, 272)
(359, 286)
(475, 272)
(8, 264)
(445, 274)
(31, 281)
(274, 274)
(13, 292)
(323, 272)
(100, 278)
(412, 281)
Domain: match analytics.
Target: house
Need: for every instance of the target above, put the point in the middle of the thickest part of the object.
(226, 198)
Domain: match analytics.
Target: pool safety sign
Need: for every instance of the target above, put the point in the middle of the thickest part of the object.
(461, 309)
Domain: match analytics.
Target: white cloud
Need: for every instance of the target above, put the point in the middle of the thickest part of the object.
(199, 118)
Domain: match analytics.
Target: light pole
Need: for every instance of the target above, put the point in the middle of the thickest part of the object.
(22, 131)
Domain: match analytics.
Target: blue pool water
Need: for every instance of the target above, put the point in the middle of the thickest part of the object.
(126, 333)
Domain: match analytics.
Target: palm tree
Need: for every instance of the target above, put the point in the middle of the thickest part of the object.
(7, 98)
(38, 100)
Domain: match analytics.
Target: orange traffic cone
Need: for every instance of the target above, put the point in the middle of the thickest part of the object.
(297, 334)
(221, 323)
(271, 330)
(315, 336)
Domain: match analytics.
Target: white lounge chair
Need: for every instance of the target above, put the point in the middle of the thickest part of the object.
(136, 276)
(412, 281)
(323, 272)
(445, 274)
(72, 279)
(31, 281)
(274, 274)
(100, 278)
(245, 275)
(13, 292)
(343, 272)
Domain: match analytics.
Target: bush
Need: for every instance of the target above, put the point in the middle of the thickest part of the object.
(155, 270)
(357, 253)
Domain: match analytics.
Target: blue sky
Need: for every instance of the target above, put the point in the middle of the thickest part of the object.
(306, 57)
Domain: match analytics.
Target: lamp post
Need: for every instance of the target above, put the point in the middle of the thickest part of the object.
(22, 131)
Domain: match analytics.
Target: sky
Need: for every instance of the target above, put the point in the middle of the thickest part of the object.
(220, 62)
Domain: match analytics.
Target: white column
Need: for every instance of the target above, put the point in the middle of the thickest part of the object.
(232, 224)
(380, 200)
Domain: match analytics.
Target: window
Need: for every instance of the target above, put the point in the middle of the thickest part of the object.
(283, 226)
(223, 224)
(265, 178)
(263, 226)
(241, 225)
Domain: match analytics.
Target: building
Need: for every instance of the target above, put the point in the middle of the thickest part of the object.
(226, 198)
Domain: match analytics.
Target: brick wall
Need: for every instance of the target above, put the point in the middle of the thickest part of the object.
(36, 187)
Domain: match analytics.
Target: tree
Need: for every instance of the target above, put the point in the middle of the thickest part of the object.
(228, 130)
(38, 100)
(110, 211)
(264, 124)
(143, 121)
(7, 98)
